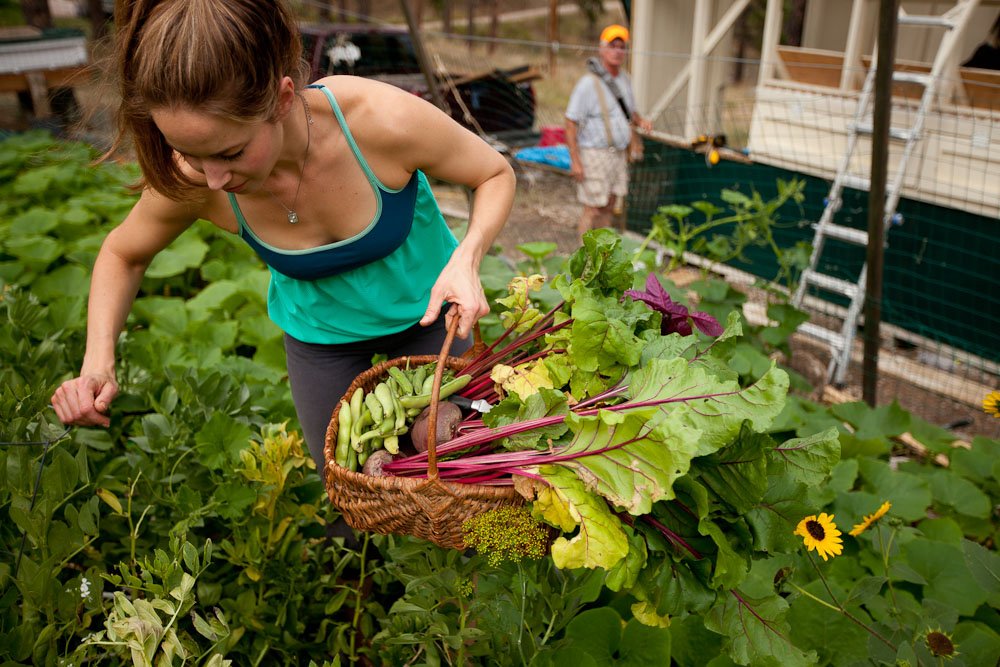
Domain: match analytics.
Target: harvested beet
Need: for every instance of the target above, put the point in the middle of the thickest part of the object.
(377, 459)
(449, 416)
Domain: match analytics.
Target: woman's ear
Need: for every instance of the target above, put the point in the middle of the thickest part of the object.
(286, 97)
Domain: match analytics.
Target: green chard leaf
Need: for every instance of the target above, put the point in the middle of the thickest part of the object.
(774, 519)
(631, 459)
(715, 407)
(546, 403)
(603, 331)
(809, 459)
(600, 542)
(623, 575)
(757, 631)
(600, 264)
(737, 474)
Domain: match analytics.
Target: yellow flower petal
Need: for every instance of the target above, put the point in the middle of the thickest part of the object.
(820, 533)
(867, 521)
(991, 404)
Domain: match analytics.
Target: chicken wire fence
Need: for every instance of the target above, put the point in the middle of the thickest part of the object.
(939, 312)
(939, 309)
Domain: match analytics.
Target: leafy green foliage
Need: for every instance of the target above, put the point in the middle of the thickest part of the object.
(197, 518)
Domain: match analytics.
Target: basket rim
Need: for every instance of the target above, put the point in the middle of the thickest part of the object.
(416, 484)
(391, 482)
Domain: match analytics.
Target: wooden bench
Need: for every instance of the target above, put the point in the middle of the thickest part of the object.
(982, 86)
(817, 67)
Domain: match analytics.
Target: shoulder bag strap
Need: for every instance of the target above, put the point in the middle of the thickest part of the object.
(616, 91)
(599, 87)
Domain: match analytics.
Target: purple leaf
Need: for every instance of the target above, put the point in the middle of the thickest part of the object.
(676, 317)
(706, 324)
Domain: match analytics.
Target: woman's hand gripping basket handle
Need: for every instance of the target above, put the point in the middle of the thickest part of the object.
(432, 469)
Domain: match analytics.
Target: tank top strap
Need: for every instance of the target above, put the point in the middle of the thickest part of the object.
(339, 115)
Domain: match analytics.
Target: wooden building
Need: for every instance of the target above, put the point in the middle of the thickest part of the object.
(799, 113)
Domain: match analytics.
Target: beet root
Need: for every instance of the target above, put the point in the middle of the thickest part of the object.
(449, 416)
(377, 459)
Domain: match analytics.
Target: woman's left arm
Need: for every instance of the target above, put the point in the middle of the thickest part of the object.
(429, 140)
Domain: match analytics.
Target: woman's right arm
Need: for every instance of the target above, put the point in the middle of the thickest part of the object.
(152, 224)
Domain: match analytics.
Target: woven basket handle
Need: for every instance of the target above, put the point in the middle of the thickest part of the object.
(478, 346)
(432, 470)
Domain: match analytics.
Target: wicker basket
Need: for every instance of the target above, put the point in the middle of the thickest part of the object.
(429, 508)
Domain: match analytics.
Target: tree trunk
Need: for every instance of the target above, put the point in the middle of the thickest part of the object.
(494, 24)
(470, 29)
(324, 11)
(365, 10)
(98, 21)
(36, 13)
(446, 16)
(553, 33)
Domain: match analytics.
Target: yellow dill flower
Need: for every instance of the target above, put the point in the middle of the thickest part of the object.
(820, 533)
(506, 533)
(991, 404)
(869, 520)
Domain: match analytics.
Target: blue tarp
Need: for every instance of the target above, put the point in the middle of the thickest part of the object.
(556, 156)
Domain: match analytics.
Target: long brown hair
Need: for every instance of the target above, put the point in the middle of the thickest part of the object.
(224, 57)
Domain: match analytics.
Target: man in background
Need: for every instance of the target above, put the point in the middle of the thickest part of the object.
(600, 121)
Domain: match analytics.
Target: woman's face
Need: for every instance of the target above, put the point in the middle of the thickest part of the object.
(233, 156)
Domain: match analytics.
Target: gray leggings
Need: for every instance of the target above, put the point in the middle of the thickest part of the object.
(320, 374)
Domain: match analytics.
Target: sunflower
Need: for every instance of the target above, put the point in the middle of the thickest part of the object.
(940, 644)
(991, 404)
(869, 520)
(820, 533)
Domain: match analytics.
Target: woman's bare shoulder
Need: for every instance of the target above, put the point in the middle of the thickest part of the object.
(367, 101)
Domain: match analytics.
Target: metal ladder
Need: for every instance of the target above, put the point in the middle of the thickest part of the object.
(840, 341)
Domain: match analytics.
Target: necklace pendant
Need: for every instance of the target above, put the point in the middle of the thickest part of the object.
(293, 217)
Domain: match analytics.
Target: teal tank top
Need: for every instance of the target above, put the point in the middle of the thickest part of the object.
(373, 284)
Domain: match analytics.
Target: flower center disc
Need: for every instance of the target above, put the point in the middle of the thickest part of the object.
(815, 530)
(939, 644)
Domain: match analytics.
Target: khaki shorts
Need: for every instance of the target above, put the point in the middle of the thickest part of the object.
(605, 173)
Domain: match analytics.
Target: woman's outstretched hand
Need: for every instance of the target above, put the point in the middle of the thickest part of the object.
(85, 401)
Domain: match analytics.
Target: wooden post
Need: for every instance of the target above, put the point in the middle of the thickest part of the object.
(771, 38)
(425, 65)
(881, 120)
(553, 34)
(446, 15)
(470, 26)
(494, 24)
(694, 122)
(36, 13)
(852, 68)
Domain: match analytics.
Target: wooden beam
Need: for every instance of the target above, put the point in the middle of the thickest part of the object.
(694, 118)
(553, 35)
(709, 44)
(852, 68)
(772, 37)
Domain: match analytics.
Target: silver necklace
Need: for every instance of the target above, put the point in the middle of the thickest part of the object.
(293, 217)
